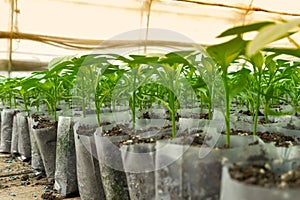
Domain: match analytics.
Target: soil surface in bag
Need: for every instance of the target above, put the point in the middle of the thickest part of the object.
(44, 123)
(125, 130)
(150, 115)
(261, 174)
(46, 135)
(137, 139)
(88, 129)
(278, 139)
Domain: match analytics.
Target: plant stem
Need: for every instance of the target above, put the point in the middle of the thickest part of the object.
(257, 105)
(227, 113)
(133, 101)
(25, 105)
(133, 110)
(266, 112)
(209, 112)
(172, 112)
(98, 107)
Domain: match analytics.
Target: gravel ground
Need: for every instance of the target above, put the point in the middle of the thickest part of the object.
(18, 182)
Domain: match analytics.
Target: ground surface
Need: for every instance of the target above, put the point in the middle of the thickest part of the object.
(17, 182)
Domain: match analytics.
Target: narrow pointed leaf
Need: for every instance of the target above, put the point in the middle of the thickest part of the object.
(244, 29)
(287, 51)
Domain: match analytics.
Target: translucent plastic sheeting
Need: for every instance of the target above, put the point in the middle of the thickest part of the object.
(199, 20)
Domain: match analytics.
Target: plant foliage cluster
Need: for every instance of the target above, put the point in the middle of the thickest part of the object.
(251, 74)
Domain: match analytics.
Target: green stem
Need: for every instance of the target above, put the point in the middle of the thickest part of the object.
(133, 110)
(25, 105)
(83, 103)
(266, 112)
(172, 113)
(133, 102)
(209, 112)
(15, 101)
(257, 106)
(10, 98)
(98, 114)
(227, 113)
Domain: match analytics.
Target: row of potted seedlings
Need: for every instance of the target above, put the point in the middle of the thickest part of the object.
(165, 126)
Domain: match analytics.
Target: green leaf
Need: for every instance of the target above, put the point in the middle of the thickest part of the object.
(208, 64)
(225, 53)
(56, 61)
(200, 83)
(244, 29)
(257, 60)
(270, 64)
(278, 113)
(173, 58)
(269, 92)
(239, 82)
(93, 59)
(29, 84)
(141, 59)
(287, 51)
(270, 34)
(59, 67)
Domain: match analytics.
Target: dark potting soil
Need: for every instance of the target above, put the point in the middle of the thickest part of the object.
(176, 118)
(37, 116)
(279, 139)
(249, 113)
(263, 121)
(198, 139)
(261, 174)
(148, 115)
(136, 139)
(16, 112)
(199, 116)
(118, 130)
(44, 123)
(291, 127)
(87, 129)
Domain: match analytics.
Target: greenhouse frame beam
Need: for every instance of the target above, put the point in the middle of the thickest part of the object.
(86, 44)
(23, 65)
(256, 9)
